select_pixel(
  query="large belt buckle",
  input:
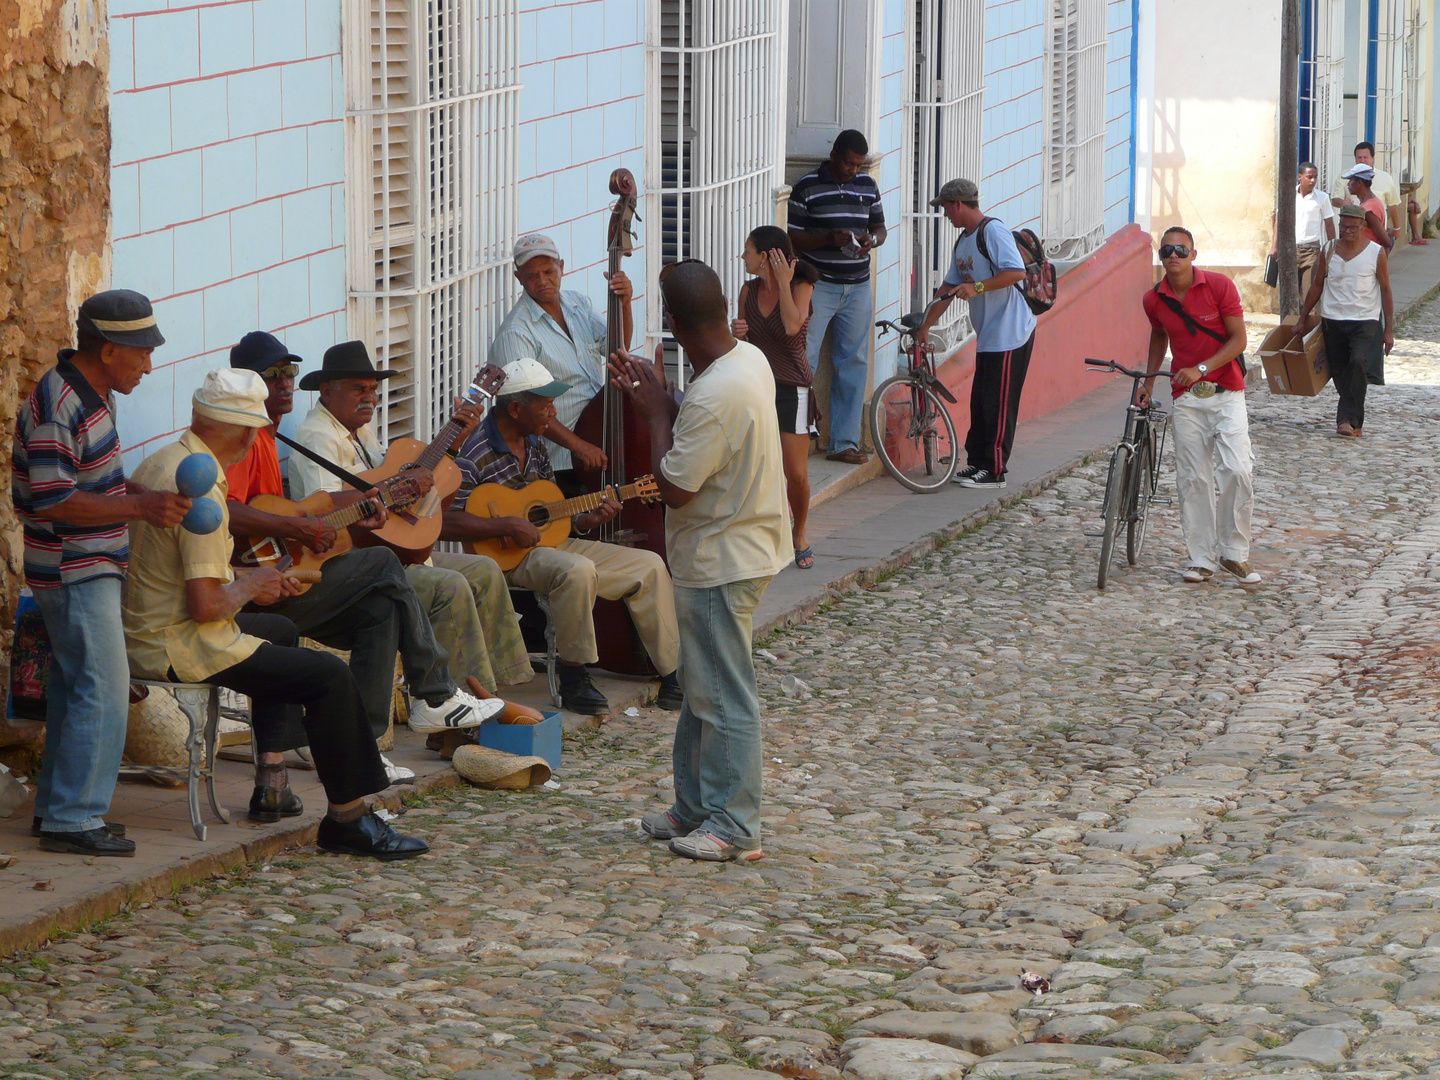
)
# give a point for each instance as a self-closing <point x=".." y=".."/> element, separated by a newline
<point x="1203" y="389"/>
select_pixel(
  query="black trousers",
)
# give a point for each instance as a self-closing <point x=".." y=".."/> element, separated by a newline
<point x="286" y="683"/>
<point x="1375" y="362"/>
<point x="1348" y="346"/>
<point x="995" y="405"/>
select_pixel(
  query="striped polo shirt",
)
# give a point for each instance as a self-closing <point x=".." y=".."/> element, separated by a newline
<point x="65" y="441"/>
<point x="820" y="204"/>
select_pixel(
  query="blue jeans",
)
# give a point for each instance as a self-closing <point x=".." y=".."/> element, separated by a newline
<point x="717" y="737"/>
<point x="851" y="309"/>
<point x="88" y="704"/>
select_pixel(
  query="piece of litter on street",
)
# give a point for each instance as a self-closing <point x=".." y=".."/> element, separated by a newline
<point x="767" y="655"/>
<point x="632" y="711"/>
<point x="385" y="815"/>
<point x="6" y="860"/>
<point x="777" y="761"/>
<point x="790" y="686"/>
<point x="43" y="886"/>
<point x="551" y="784"/>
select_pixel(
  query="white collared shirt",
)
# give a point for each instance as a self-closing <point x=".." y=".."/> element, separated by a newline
<point x="329" y="438"/>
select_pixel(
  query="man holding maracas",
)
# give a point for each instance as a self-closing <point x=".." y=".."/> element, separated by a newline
<point x="76" y="504"/>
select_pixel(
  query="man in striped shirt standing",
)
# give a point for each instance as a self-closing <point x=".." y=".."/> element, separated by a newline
<point x="835" y="222"/>
<point x="76" y="506"/>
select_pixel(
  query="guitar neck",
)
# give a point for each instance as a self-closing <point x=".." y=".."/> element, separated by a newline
<point x="582" y="504"/>
<point x="356" y="511"/>
<point x="436" y="450"/>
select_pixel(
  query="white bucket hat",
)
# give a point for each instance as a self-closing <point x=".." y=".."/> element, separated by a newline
<point x="233" y="396"/>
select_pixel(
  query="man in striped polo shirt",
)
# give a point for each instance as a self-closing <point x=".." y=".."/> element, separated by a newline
<point x="76" y="506"/>
<point x="835" y="222"/>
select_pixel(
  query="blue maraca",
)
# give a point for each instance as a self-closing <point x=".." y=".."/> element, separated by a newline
<point x="203" y="516"/>
<point x="196" y="475"/>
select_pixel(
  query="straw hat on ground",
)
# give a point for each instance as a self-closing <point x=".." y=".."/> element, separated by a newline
<point x="491" y="768"/>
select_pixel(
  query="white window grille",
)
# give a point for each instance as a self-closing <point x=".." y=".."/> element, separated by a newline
<point x="431" y="111"/>
<point x="1386" y="83"/>
<point x="1073" y="220"/>
<point x="1412" y="114"/>
<point x="715" y="106"/>
<point x="1322" y="77"/>
<point x="946" y="47"/>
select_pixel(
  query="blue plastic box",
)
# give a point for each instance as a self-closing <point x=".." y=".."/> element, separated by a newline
<point x="537" y="740"/>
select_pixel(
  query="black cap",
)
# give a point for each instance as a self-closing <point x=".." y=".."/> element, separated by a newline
<point x="259" y="351"/>
<point x="121" y="316"/>
<point x="348" y="360"/>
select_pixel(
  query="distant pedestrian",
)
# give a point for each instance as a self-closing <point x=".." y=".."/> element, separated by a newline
<point x="1352" y="289"/>
<point x="1197" y="314"/>
<point x="985" y="266"/>
<point x="1359" y="178"/>
<point x="836" y="220"/>
<point x="1314" y="224"/>
<point x="774" y="311"/>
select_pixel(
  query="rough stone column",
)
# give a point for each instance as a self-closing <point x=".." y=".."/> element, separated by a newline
<point x="54" y="220"/>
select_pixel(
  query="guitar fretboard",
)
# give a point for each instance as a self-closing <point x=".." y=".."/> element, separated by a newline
<point x="583" y="504"/>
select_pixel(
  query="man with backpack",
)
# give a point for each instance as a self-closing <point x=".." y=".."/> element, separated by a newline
<point x="985" y="269"/>
<point x="1198" y="314"/>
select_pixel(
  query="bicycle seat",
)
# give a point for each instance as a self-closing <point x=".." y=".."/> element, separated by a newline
<point x="912" y="320"/>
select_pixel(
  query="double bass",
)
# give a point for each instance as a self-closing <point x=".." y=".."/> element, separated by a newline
<point x="609" y="422"/>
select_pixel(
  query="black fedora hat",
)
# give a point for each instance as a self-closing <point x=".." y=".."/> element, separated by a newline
<point x="348" y="360"/>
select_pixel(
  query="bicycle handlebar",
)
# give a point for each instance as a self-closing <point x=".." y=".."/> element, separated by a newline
<point x="1111" y="365"/>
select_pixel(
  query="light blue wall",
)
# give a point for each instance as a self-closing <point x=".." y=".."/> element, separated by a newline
<point x="1012" y="141"/>
<point x="227" y="170"/>
<point x="582" y="115"/>
<point x="1118" y="126"/>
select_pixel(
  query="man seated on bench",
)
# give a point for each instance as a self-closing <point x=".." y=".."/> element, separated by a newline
<point x="183" y="623"/>
<point x="507" y="449"/>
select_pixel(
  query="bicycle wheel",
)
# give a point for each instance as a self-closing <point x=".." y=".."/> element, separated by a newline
<point x="1114" y="500"/>
<point x="1142" y="487"/>
<point x="921" y="451"/>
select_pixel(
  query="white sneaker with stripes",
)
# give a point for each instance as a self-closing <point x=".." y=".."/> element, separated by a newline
<point x="460" y="710"/>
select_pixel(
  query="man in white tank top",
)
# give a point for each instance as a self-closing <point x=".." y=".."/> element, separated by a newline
<point x="1352" y="289"/>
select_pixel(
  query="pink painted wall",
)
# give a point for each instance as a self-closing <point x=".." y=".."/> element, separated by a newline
<point x="1098" y="315"/>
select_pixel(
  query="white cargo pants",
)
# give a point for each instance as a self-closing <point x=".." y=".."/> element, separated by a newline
<point x="1213" y="466"/>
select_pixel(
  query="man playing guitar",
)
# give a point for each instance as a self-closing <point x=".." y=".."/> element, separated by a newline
<point x="364" y="602"/>
<point x="465" y="595"/>
<point x="507" y="449"/>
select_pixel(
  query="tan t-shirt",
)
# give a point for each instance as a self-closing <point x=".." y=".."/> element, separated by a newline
<point x="727" y="450"/>
<point x="159" y="632"/>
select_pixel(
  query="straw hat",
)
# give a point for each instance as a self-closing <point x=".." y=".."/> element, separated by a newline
<point x="496" y="769"/>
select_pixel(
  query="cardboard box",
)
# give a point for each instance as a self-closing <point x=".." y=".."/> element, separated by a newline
<point x="539" y="740"/>
<point x="1292" y="371"/>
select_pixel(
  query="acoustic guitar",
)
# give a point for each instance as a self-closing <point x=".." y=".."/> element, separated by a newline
<point x="298" y="561"/>
<point x="411" y="533"/>
<point x="543" y="505"/>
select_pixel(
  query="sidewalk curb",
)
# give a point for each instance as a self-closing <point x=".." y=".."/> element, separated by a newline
<point x="924" y="545"/>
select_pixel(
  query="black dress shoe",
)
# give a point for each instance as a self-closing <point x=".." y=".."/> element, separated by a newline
<point x="670" y="695"/>
<point x="89" y="842"/>
<point x="271" y="804"/>
<point x="579" y="694"/>
<point x="368" y="835"/>
<point x="114" y="828"/>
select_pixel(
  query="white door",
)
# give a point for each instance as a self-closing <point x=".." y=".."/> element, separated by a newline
<point x="831" y="76"/>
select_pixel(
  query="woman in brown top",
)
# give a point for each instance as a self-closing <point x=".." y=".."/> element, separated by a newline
<point x="774" y="312"/>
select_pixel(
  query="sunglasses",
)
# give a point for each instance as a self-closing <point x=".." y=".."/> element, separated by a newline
<point x="1178" y="250"/>
<point x="289" y="371"/>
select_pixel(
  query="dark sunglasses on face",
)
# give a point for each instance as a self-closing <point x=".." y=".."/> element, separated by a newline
<point x="287" y="370"/>
<point x="1178" y="250"/>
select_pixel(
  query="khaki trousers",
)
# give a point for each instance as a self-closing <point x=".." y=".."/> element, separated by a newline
<point x="469" y="606"/>
<point x="572" y="575"/>
<point x="1307" y="257"/>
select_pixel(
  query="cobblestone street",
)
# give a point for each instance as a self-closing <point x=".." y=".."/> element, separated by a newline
<point x="1208" y="815"/>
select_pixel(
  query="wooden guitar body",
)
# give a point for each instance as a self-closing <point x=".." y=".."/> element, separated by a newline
<point x="316" y="505"/>
<point x="411" y="532"/>
<point x="497" y="501"/>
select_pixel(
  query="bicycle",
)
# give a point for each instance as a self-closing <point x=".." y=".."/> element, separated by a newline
<point x="925" y="455"/>
<point x="1134" y="474"/>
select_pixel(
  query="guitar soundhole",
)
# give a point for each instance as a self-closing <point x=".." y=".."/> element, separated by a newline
<point x="538" y="516"/>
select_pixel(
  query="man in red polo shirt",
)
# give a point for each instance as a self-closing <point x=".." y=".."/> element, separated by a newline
<point x="1197" y="314"/>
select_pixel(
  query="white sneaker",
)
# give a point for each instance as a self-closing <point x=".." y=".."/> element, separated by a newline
<point x="459" y="710"/>
<point x="397" y="774"/>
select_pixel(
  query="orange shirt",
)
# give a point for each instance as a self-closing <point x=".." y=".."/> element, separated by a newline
<point x="258" y="473"/>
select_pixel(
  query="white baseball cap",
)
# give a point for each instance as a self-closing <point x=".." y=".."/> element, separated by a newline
<point x="527" y="376"/>
<point x="1360" y="172"/>
<point x="233" y="396"/>
<point x="527" y="247"/>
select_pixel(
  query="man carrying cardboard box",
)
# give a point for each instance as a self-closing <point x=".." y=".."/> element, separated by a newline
<point x="1198" y="314"/>
<point x="1352" y="289"/>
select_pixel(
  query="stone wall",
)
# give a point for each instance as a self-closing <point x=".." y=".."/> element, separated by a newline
<point x="54" y="209"/>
